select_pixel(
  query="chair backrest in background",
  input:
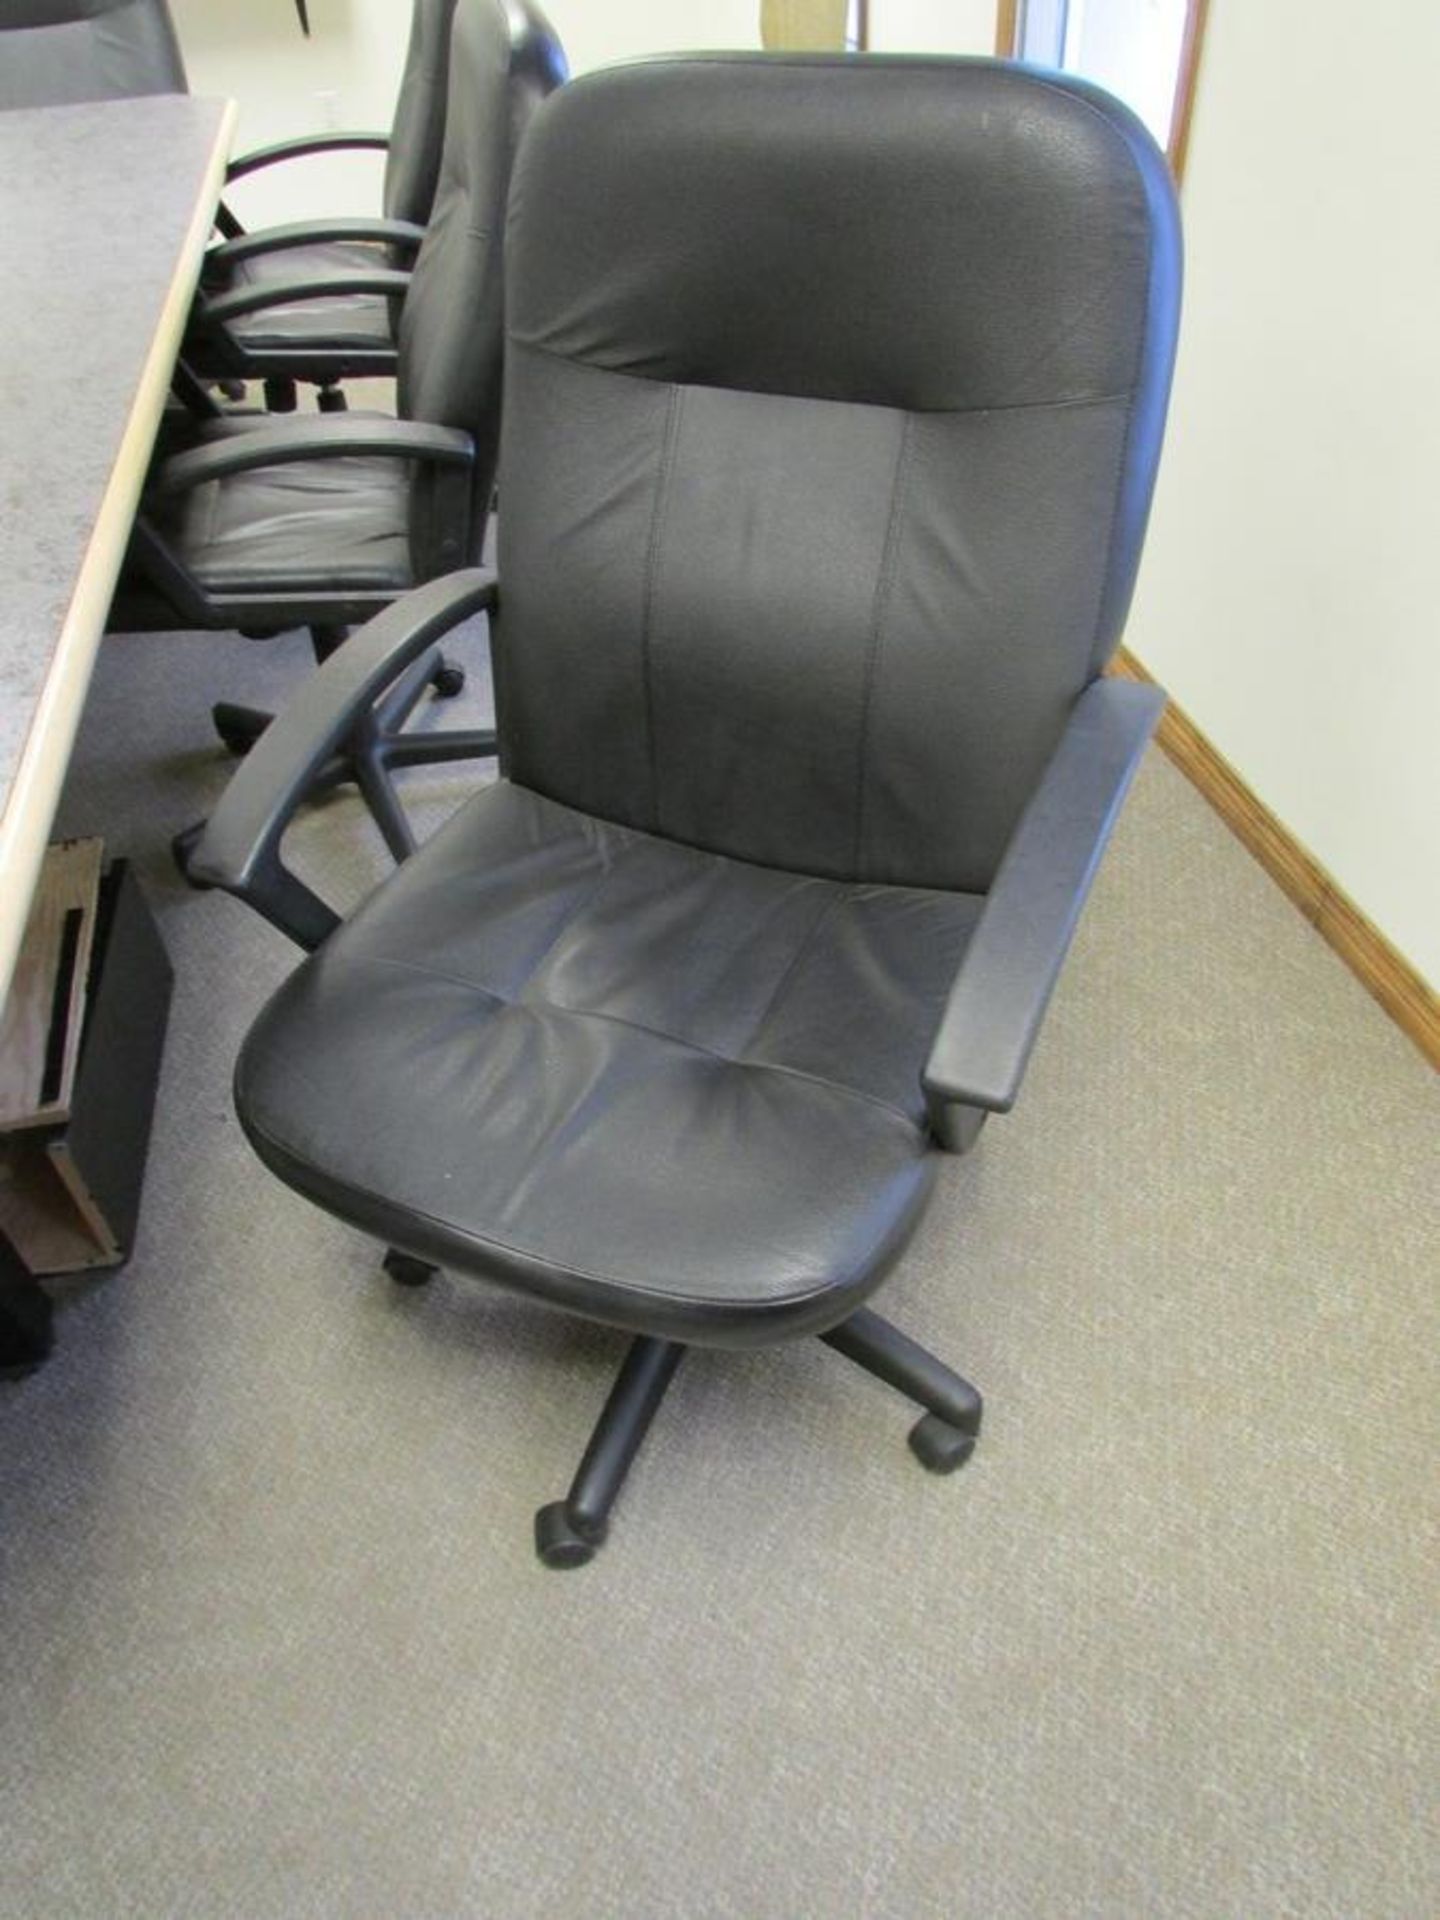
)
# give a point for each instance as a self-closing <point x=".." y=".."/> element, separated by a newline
<point x="57" y="52"/>
<point x="505" y="58"/>
<point x="417" y="132"/>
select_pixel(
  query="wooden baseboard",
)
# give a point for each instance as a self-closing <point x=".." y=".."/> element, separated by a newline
<point x="1384" y="973"/>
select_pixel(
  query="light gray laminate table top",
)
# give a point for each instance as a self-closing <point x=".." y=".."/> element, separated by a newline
<point x="104" y="214"/>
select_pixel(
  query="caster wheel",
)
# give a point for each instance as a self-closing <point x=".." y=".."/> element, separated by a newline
<point x="21" y="1370"/>
<point x="331" y="400"/>
<point x="236" y="731"/>
<point x="234" y="742"/>
<point x="448" y="680"/>
<point x="939" y="1447"/>
<point x="559" y="1543"/>
<point x="27" y="1329"/>
<point x="406" y="1271"/>
<point x="181" y="848"/>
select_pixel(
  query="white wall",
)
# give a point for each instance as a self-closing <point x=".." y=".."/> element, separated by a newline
<point x="596" y="32"/>
<point x="1133" y="48"/>
<point x="932" y="26"/>
<point x="256" y="54"/>
<point x="1288" y="596"/>
<point x="345" y="75"/>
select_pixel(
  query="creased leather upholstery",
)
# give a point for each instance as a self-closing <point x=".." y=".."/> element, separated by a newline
<point x="675" y="1091"/>
<point x="295" y="528"/>
<point x="359" y="321"/>
<point x="57" y="53"/>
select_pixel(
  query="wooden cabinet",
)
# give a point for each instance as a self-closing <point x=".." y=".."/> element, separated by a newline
<point x="80" y="1055"/>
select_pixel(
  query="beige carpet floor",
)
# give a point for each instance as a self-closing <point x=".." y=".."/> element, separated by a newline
<point x="274" y="1642"/>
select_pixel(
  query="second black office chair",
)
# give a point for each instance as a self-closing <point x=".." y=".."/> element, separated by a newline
<point x="265" y="525"/>
<point x="834" y="399"/>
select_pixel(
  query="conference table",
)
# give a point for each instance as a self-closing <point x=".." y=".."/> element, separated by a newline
<point x="105" y="211"/>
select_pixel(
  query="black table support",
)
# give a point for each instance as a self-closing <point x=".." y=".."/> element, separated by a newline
<point x="26" y="1333"/>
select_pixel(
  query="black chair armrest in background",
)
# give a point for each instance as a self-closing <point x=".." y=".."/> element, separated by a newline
<point x="213" y="311"/>
<point x="309" y="233"/>
<point x="300" y="148"/>
<point x="278" y="441"/>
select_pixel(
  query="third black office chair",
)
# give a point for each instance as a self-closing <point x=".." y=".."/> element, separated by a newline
<point x="317" y="301"/>
<point x="835" y="392"/>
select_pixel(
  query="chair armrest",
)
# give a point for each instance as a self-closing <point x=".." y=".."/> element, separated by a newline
<point x="214" y="310"/>
<point x="1010" y="967"/>
<point x="307" y="233"/>
<point x="301" y="146"/>
<point x="239" y="850"/>
<point x="329" y="436"/>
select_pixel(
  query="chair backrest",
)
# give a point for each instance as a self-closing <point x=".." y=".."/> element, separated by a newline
<point x="56" y="52"/>
<point x="833" y="399"/>
<point x="504" y="59"/>
<point x="417" y="133"/>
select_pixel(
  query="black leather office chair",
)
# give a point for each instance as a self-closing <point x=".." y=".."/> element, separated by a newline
<point x="835" y="391"/>
<point x="266" y="525"/>
<point x="328" y="334"/>
<point x="316" y="301"/>
<point x="56" y="53"/>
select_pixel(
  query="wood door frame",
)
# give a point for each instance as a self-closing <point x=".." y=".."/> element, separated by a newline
<point x="1007" y="28"/>
<point x="1186" y="79"/>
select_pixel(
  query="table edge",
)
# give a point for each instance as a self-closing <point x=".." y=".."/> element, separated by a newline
<point x="40" y="771"/>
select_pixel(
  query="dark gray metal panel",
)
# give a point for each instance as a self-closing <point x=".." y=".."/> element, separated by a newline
<point x="125" y="1018"/>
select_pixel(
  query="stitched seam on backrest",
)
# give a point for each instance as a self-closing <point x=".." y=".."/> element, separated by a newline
<point x="652" y="566"/>
<point x="517" y="343"/>
<point x="888" y="561"/>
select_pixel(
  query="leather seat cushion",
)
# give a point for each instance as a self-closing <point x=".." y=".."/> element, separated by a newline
<point x="653" y="1085"/>
<point x="307" y="526"/>
<point x="357" y="321"/>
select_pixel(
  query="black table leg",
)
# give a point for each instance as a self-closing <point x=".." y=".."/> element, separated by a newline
<point x="26" y="1333"/>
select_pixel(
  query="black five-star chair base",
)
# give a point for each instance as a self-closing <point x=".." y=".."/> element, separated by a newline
<point x="570" y="1532"/>
<point x="378" y="746"/>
